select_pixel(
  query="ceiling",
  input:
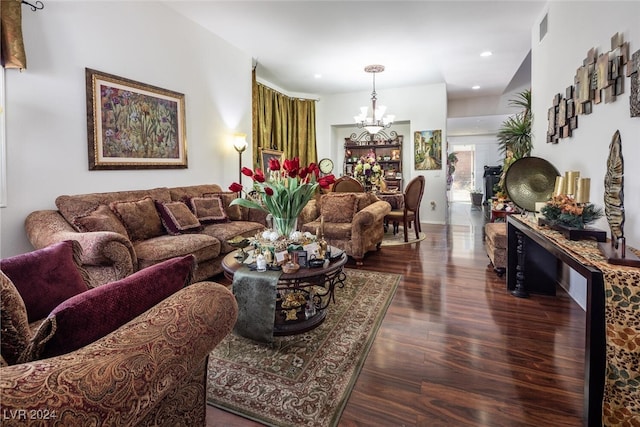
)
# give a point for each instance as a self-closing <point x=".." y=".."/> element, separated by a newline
<point x="419" y="42"/>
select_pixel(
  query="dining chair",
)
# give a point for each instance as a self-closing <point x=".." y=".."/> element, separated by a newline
<point x="347" y="184"/>
<point x="411" y="210"/>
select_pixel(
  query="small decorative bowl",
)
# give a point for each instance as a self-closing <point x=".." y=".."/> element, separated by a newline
<point x="290" y="267"/>
<point x="239" y="242"/>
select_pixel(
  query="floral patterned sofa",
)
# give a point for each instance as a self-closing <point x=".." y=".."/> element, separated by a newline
<point x="124" y="231"/>
<point x="353" y="222"/>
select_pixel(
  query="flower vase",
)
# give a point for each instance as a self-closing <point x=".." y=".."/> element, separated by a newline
<point x="284" y="226"/>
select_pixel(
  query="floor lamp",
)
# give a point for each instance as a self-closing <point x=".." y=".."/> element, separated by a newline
<point x="240" y="144"/>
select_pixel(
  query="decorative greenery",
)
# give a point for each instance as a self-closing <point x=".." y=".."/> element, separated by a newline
<point x="515" y="133"/>
<point x="286" y="191"/>
<point x="514" y="136"/>
<point x="563" y="210"/>
<point x="452" y="160"/>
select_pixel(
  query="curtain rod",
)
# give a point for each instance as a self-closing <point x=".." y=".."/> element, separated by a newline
<point x="37" y="6"/>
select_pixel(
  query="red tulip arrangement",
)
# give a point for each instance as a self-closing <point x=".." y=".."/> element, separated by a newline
<point x="286" y="189"/>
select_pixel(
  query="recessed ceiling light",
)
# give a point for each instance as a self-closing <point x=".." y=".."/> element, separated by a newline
<point x="317" y="76"/>
<point x="486" y="53"/>
<point x="476" y="87"/>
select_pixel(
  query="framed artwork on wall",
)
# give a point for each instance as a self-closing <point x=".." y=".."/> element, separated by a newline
<point x="265" y="155"/>
<point x="133" y="125"/>
<point x="427" y="150"/>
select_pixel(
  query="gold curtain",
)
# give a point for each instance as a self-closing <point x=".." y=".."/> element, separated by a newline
<point x="283" y="123"/>
<point x="12" y="53"/>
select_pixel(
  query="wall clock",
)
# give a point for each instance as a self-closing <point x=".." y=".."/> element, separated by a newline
<point x="326" y="165"/>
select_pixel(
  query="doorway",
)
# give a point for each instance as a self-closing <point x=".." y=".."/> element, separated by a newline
<point x="464" y="175"/>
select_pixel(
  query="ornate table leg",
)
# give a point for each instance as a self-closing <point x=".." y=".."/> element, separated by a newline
<point x="520" y="291"/>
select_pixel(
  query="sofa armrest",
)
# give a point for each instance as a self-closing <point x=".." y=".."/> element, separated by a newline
<point x="371" y="214"/>
<point x="45" y="227"/>
<point x="122" y="377"/>
<point x="367" y="229"/>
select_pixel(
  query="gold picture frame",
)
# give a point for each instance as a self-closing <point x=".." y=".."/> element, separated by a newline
<point x="132" y="125"/>
<point x="266" y="154"/>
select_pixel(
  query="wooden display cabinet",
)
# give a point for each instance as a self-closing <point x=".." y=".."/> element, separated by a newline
<point x="388" y="154"/>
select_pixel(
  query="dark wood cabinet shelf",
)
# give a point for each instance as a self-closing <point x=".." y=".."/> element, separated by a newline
<point x="388" y="155"/>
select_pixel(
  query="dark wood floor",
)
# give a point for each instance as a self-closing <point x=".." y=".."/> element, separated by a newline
<point x="455" y="349"/>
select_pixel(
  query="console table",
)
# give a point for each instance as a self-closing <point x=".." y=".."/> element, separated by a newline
<point x="533" y="263"/>
<point x="534" y="257"/>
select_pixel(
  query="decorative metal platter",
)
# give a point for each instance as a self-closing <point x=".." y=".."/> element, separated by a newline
<point x="529" y="180"/>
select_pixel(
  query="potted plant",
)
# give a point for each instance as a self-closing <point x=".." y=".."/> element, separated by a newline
<point x="476" y="196"/>
<point x="452" y="159"/>
<point x="514" y="135"/>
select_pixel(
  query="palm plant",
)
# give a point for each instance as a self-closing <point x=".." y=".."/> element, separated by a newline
<point x="514" y="136"/>
<point x="515" y="133"/>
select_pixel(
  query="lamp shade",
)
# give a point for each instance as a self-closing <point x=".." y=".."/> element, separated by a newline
<point x="240" y="142"/>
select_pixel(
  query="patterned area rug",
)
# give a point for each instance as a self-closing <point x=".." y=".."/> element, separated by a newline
<point x="390" y="239"/>
<point x="303" y="379"/>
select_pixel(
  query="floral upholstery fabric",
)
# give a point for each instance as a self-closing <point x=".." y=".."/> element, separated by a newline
<point x="73" y="206"/>
<point x="364" y="233"/>
<point x="209" y="209"/>
<point x="101" y="219"/>
<point x="106" y="256"/>
<point x="177" y="218"/>
<point x="228" y="231"/>
<point x="13" y="321"/>
<point x="109" y="256"/>
<point x="161" y="248"/>
<point x="140" y="218"/>
<point x="338" y="207"/>
<point x="496" y="243"/>
<point x="155" y="363"/>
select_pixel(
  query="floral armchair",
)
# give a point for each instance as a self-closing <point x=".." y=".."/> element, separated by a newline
<point x="353" y="222"/>
<point x="150" y="371"/>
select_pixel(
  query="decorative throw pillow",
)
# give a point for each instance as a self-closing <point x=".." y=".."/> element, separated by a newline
<point x="94" y="314"/>
<point x="46" y="277"/>
<point x="177" y="218"/>
<point x="13" y="319"/>
<point x="209" y="209"/>
<point x="233" y="212"/>
<point x="101" y="219"/>
<point x="139" y="217"/>
<point x="338" y="207"/>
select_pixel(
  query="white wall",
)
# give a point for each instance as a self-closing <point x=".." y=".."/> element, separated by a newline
<point x="46" y="131"/>
<point x="573" y="29"/>
<point x="422" y="107"/>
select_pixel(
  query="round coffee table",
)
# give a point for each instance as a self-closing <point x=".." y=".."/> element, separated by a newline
<point x="317" y="284"/>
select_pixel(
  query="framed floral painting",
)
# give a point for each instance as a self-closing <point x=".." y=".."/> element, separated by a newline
<point x="132" y="125"/>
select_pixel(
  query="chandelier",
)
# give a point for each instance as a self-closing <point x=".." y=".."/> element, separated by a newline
<point x="377" y="121"/>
